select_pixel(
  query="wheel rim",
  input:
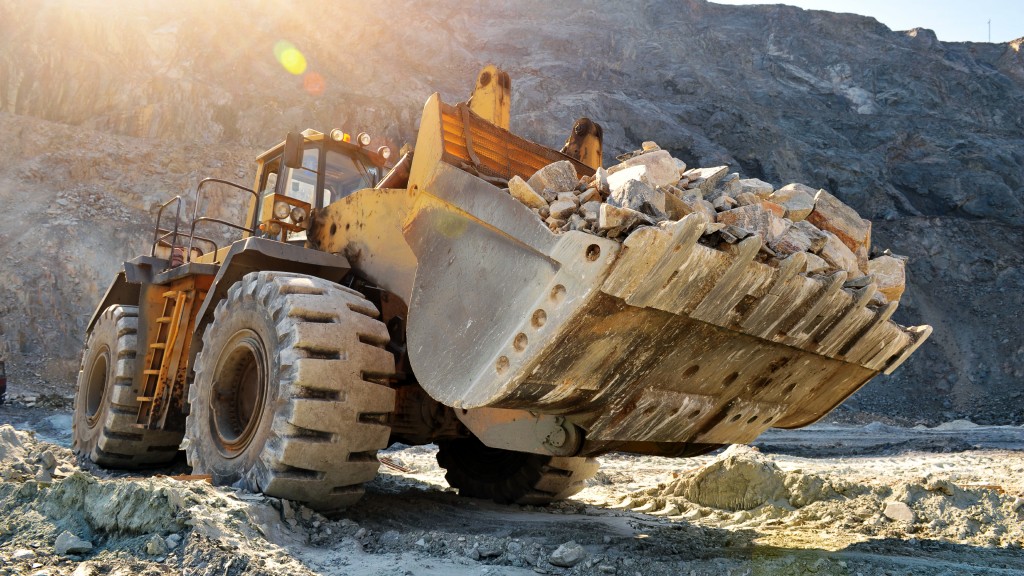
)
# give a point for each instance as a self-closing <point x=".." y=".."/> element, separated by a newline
<point x="96" y="386"/>
<point x="239" y="392"/>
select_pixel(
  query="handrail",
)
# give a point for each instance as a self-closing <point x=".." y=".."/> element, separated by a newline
<point x="159" y="216"/>
<point x="199" y="190"/>
<point x="173" y="233"/>
<point x="192" y="231"/>
<point x="200" y="238"/>
<point x="196" y="218"/>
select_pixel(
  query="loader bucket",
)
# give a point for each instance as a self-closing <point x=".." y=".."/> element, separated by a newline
<point x="659" y="338"/>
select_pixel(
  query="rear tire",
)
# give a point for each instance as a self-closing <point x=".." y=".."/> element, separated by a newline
<point x="104" y="426"/>
<point x="506" y="476"/>
<point x="290" y="395"/>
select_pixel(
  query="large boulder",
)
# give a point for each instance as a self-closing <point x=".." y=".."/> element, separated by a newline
<point x="890" y="276"/>
<point x="831" y="215"/>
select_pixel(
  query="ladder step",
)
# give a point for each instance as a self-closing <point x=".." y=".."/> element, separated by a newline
<point x="144" y="399"/>
<point x="158" y="345"/>
<point x="163" y="319"/>
<point x="171" y="293"/>
<point x="151" y="372"/>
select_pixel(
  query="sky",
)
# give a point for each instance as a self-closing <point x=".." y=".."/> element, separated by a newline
<point x="952" y="20"/>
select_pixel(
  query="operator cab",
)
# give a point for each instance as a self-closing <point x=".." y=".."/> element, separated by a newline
<point x="309" y="171"/>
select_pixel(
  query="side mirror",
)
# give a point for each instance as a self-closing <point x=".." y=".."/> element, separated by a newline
<point x="293" y="150"/>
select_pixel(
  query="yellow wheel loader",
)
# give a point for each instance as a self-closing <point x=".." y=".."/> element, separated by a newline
<point x="366" y="304"/>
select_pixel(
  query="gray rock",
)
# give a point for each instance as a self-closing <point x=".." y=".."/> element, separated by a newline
<point x="562" y="209"/>
<point x="558" y="177"/>
<point x="555" y="223"/>
<point x="620" y="219"/>
<point x="899" y="512"/>
<point x="568" y="197"/>
<point x="899" y="143"/>
<point x="172" y="541"/>
<point x="838" y="255"/>
<point x="754" y="186"/>
<point x="798" y="200"/>
<point x="47" y="460"/>
<point x="799" y="237"/>
<point x="640" y="196"/>
<point x="567" y="555"/>
<point x="705" y="179"/>
<point x="832" y="215"/>
<point x="724" y="202"/>
<point x="525" y="193"/>
<point x="601" y="179"/>
<point x="490" y="550"/>
<point x="85" y="569"/>
<point x="68" y="543"/>
<point x="23" y="554"/>
<point x="156" y="545"/>
<point x="591" y="211"/>
<point x="590" y="195"/>
<point x="661" y="167"/>
<point x="890" y="276"/>
<point x="757" y="219"/>
<point x="746" y="199"/>
<point x="619" y="178"/>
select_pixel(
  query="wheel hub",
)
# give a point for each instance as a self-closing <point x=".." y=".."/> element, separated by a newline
<point x="96" y="386"/>
<point x="239" y="393"/>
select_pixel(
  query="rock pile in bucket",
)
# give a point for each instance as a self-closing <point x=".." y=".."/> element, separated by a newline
<point x="649" y="187"/>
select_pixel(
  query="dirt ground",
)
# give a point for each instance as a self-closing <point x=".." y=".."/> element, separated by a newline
<point x="829" y="499"/>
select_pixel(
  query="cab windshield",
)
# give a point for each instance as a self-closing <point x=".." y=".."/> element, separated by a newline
<point x="342" y="176"/>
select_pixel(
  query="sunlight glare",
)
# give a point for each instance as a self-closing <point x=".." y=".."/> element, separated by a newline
<point x="290" y="57"/>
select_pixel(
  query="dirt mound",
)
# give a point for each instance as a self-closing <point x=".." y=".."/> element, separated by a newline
<point x="744" y="488"/>
<point x="741" y="479"/>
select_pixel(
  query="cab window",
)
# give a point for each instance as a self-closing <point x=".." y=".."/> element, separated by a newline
<point x="344" y="176"/>
<point x="300" y="183"/>
<point x="270" y="172"/>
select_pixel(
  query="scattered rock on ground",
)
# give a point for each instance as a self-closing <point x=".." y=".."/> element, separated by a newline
<point x="68" y="543"/>
<point x="567" y="555"/>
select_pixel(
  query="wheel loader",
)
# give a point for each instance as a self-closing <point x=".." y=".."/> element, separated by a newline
<point x="366" y="303"/>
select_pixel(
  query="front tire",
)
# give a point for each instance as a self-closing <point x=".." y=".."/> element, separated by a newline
<point x="290" y="396"/>
<point x="104" y="427"/>
<point x="506" y="476"/>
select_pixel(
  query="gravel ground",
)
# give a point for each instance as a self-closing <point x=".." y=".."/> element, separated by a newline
<point x="829" y="499"/>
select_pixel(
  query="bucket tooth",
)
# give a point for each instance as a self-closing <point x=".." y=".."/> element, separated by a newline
<point x="653" y="260"/>
<point x="772" y="307"/>
<point x="797" y="333"/>
<point x="731" y="287"/>
<point x="920" y="334"/>
<point x="859" y="346"/>
<point x="848" y="324"/>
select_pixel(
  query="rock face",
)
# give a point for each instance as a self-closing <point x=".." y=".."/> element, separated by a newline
<point x="922" y="137"/>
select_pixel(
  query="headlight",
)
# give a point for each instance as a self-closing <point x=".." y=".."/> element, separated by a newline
<point x="339" y="136"/>
<point x="281" y="210"/>
<point x="363" y="139"/>
<point x="298" y="215"/>
<point x="384" y="152"/>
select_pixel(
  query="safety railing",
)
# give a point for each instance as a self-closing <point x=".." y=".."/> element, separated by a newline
<point x="169" y="236"/>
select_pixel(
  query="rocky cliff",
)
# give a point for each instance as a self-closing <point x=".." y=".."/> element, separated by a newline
<point x="107" y="108"/>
